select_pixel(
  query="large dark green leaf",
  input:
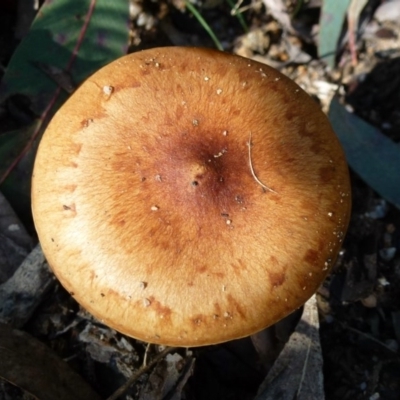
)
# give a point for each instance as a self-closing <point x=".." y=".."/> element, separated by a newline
<point x="371" y="154"/>
<point x="68" y="41"/>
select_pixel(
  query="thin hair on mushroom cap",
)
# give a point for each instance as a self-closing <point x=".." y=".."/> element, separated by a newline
<point x="252" y="170"/>
<point x="188" y="197"/>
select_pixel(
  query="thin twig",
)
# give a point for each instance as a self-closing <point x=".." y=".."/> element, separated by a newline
<point x="121" y="390"/>
<point x="253" y="5"/>
<point x="254" y="174"/>
<point x="146" y="354"/>
<point x="369" y="337"/>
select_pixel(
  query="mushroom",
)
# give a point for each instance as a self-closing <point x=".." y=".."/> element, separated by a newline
<point x="187" y="197"/>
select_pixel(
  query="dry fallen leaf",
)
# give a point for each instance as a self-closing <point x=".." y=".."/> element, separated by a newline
<point x="32" y="366"/>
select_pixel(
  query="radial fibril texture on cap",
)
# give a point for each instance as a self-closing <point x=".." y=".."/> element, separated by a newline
<point x="187" y="197"/>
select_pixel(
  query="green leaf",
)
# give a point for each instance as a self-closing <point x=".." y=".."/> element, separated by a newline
<point x="371" y="154"/>
<point x="77" y="37"/>
<point x="333" y="14"/>
<point x="68" y="41"/>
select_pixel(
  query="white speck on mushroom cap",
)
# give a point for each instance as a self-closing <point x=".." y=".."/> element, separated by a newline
<point x="142" y="285"/>
<point x="146" y="302"/>
<point x="108" y="90"/>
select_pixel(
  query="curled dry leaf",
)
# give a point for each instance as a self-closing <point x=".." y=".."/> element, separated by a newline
<point x="388" y="11"/>
<point x="168" y="378"/>
<point x="280" y="12"/>
<point x="144" y="369"/>
<point x="105" y="346"/>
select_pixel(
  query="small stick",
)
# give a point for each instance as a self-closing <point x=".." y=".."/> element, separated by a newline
<point x="369" y="337"/>
<point x="265" y="187"/>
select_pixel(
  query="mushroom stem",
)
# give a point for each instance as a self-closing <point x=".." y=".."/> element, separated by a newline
<point x="265" y="187"/>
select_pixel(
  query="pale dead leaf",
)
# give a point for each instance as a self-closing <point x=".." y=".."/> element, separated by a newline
<point x="388" y="11"/>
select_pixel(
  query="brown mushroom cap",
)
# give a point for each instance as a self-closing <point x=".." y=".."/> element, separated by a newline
<point x="156" y="214"/>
